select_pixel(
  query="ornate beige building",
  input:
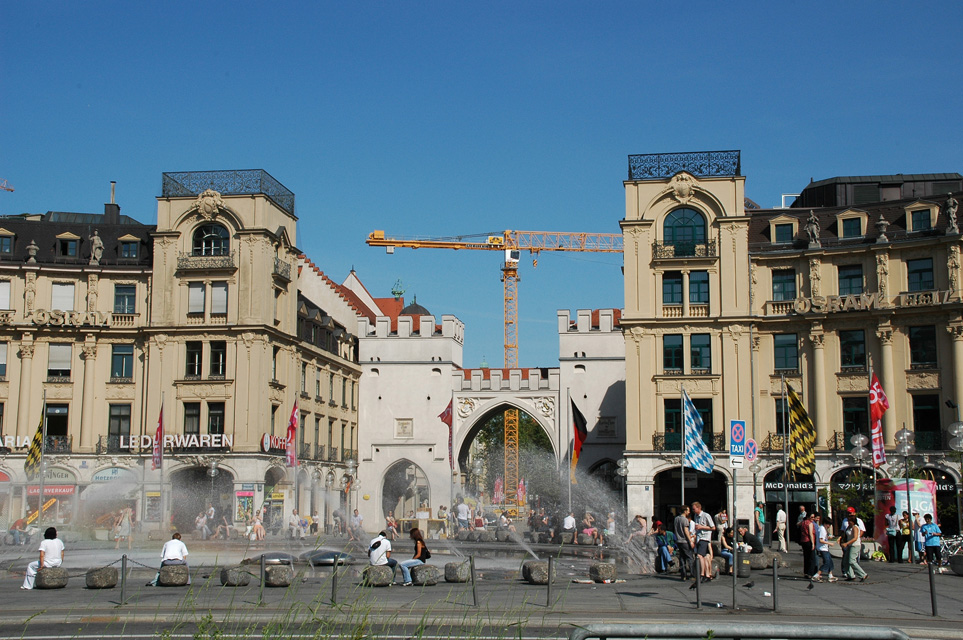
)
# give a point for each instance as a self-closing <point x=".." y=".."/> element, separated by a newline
<point x="727" y="300"/>
<point x="110" y="319"/>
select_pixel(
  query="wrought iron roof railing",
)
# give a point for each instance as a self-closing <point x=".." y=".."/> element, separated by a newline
<point x="663" y="250"/>
<point x="228" y="183"/>
<point x="702" y="164"/>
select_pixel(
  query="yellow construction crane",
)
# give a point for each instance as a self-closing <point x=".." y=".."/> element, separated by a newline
<point x="5" y="185"/>
<point x="512" y="243"/>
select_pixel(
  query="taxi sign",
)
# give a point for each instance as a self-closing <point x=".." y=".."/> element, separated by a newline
<point x="737" y="438"/>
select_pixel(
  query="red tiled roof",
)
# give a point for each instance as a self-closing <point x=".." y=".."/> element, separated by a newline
<point x="346" y="294"/>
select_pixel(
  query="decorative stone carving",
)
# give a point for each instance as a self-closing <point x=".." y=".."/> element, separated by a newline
<point x="466" y="406"/>
<point x="60" y="391"/>
<point x="30" y="291"/>
<point x="92" y="281"/>
<point x="26" y="349"/>
<point x="545" y="406"/>
<point x="885" y="335"/>
<point x="683" y="187"/>
<point x="32" y="250"/>
<point x="954" y="267"/>
<point x="674" y="385"/>
<point x="818" y="340"/>
<point x="96" y="248"/>
<point x="208" y="204"/>
<point x="753" y="276"/>
<point x="882" y="272"/>
<point x="812" y="230"/>
<point x="856" y="382"/>
<point x="922" y="380"/>
<point x="814" y="277"/>
<point x="735" y="331"/>
<point x="89" y="352"/>
<point x="756" y="342"/>
<point x="775" y="384"/>
<point x="881" y="225"/>
<point x="955" y="331"/>
<point x="949" y="208"/>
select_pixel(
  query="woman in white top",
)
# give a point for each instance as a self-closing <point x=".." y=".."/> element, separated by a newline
<point x="51" y="555"/>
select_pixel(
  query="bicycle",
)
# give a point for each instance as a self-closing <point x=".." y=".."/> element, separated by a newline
<point x="950" y="546"/>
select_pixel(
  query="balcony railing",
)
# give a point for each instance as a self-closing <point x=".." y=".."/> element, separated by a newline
<point x="773" y="442"/>
<point x="58" y="444"/>
<point x="282" y="269"/>
<point x="227" y="183"/>
<point x="663" y="250"/>
<point x="350" y="454"/>
<point x="779" y="308"/>
<point x="58" y="379"/>
<point x="929" y="440"/>
<point x="333" y="455"/>
<point x="837" y="441"/>
<point x="673" y="441"/>
<point x="672" y="311"/>
<point x="305" y="452"/>
<point x="319" y="452"/>
<point x="654" y="166"/>
<point x="109" y="444"/>
<point x="123" y="320"/>
<point x="187" y="261"/>
<point x="698" y="310"/>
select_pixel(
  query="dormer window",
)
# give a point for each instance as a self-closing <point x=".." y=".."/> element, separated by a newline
<point x="211" y="240"/>
<point x="128" y="247"/>
<point x="68" y="248"/>
<point x="852" y="228"/>
<point x="921" y="216"/>
<point x="783" y="229"/>
<point x="6" y="245"/>
<point x="784" y="233"/>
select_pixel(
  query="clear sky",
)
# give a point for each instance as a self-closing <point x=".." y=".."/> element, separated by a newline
<point x="450" y="118"/>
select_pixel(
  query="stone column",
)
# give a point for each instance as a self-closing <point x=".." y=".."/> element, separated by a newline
<point x="685" y="294"/>
<point x="887" y="376"/>
<point x="956" y="332"/>
<point x="817" y="387"/>
<point x="23" y="401"/>
<point x="87" y="402"/>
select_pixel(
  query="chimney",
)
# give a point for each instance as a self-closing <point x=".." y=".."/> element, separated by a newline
<point x="112" y="209"/>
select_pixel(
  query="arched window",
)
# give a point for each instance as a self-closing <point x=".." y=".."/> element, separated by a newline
<point x="684" y="229"/>
<point x="211" y="240"/>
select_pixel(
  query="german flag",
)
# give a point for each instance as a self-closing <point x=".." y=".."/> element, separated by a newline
<point x="31" y="466"/>
<point x="802" y="437"/>
<point x="579" y="434"/>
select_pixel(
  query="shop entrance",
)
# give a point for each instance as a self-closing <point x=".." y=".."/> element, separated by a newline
<point x="193" y="489"/>
<point x="802" y="493"/>
<point x="711" y="489"/>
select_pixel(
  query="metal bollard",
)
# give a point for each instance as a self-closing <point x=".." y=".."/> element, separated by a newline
<point x="334" y="583"/>
<point x="474" y="588"/>
<point x="260" y="595"/>
<point x="698" y="584"/>
<point x="123" y="578"/>
<point x="932" y="572"/>
<point x="548" y="603"/>
<point x="775" y="584"/>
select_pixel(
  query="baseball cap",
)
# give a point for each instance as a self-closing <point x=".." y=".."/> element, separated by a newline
<point x="851" y="510"/>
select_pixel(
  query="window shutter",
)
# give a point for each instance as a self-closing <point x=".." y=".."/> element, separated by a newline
<point x="219" y="297"/>
<point x="195" y="302"/>
<point x="59" y="357"/>
<point x="62" y="296"/>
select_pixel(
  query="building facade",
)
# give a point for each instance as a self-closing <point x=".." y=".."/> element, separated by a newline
<point x="199" y="319"/>
<point x="733" y="303"/>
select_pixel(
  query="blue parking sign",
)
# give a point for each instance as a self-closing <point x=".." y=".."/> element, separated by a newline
<point x="737" y="437"/>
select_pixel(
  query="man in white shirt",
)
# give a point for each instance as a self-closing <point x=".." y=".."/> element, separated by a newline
<point x="568" y="523"/>
<point x="379" y="553"/>
<point x="51" y="555"/>
<point x="703" y="527"/>
<point x="294" y="524"/>
<point x="781" y="518"/>
<point x="173" y="553"/>
<point x="463" y="514"/>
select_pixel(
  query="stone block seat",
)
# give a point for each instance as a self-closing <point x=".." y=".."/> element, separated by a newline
<point x="51" y="578"/>
<point x="566" y="537"/>
<point x="457" y="572"/>
<point x="764" y="560"/>
<point x="235" y="576"/>
<point x="377" y="576"/>
<point x="175" y="575"/>
<point x="484" y="535"/>
<point x="602" y="571"/>
<point x="536" y="572"/>
<point x="102" y="578"/>
<point x="278" y="575"/>
<point x="425" y="575"/>
<point x="584" y="538"/>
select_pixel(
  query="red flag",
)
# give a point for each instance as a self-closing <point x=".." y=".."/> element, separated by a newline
<point x="878" y="404"/>
<point x="445" y="416"/>
<point x="158" y="460"/>
<point x="579" y="434"/>
<point x="289" y="448"/>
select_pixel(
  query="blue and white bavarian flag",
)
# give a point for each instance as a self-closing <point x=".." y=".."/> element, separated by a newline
<point x="697" y="454"/>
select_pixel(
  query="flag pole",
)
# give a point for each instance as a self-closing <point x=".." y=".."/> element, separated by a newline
<point x="571" y="452"/>
<point x="165" y="520"/>
<point x="43" y="469"/>
<point x="871" y="459"/>
<point x="785" y="457"/>
<point x="682" y="464"/>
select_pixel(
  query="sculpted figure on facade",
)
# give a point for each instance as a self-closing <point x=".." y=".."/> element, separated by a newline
<point x="208" y="203"/>
<point x="466" y="406"/>
<point x="954" y="267"/>
<point x="96" y="248"/>
<point x="545" y="406"/>
<point x="814" y="277"/>
<point x="882" y="272"/>
<point x="683" y="187"/>
<point x="812" y="230"/>
<point x="92" y="281"/>
<point x="29" y="292"/>
<point x="950" y="208"/>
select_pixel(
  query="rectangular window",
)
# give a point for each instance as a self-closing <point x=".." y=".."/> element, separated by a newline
<point x="125" y="298"/>
<point x="4" y="294"/>
<point x="215" y="417"/>
<point x="317" y="433"/>
<point x="274" y="419"/>
<point x="219" y="298"/>
<point x="128" y="250"/>
<point x="855" y="418"/>
<point x="852" y="349"/>
<point x="58" y="360"/>
<point x="673" y="424"/>
<point x="919" y="274"/>
<point x="58" y="421"/>
<point x="3" y="362"/>
<point x="783" y="233"/>
<point x="68" y="248"/>
<point x="852" y="228"/>
<point x="672" y="353"/>
<point x="344" y="392"/>
<point x="850" y="280"/>
<point x="218" y="358"/>
<point x="926" y="422"/>
<point x="274" y="364"/>
<point x="699" y="287"/>
<point x="353" y="401"/>
<point x="784" y="285"/>
<point x="118" y="424"/>
<point x="782" y="417"/>
<point x="122" y="361"/>
<point x="196" y="292"/>
<point x="672" y="287"/>
<point x="6" y="244"/>
<point x="922" y="347"/>
<point x="921" y="220"/>
<point x="62" y="296"/>
<point x="194" y="357"/>
<point x="304" y="377"/>
<point x="785" y="350"/>
<point x="192" y="418"/>
<point x="331" y="387"/>
<point x="317" y="384"/>
<point x="700" y="353"/>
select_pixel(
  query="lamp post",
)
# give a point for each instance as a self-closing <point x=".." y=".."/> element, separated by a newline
<point x="859" y="452"/>
<point x="477" y="466"/>
<point x="623" y="472"/>
<point x="328" y="484"/>
<point x="905" y="448"/>
<point x="956" y="444"/>
<point x="755" y="467"/>
<point x="352" y="466"/>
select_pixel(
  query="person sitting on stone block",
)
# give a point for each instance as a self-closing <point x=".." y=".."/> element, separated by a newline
<point x="51" y="555"/>
<point x="173" y="553"/>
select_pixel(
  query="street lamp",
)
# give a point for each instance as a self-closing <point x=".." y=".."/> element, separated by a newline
<point x="755" y="467"/>
<point x="352" y="465"/>
<point x="859" y="452"/>
<point x="905" y="448"/>
<point x="956" y="444"/>
<point x="328" y="484"/>
<point x="477" y="466"/>
<point x="623" y="472"/>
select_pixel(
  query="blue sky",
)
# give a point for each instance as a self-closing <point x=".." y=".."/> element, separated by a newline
<point x="455" y="118"/>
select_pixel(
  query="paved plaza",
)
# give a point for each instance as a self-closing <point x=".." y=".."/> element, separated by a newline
<point x="894" y="595"/>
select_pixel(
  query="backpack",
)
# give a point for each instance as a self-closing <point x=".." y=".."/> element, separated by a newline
<point x="374" y="545"/>
<point x="425" y="554"/>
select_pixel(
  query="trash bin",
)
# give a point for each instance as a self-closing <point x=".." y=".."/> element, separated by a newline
<point x="744" y="570"/>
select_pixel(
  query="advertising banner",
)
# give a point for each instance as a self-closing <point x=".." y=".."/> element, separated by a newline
<point x="892" y="492"/>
